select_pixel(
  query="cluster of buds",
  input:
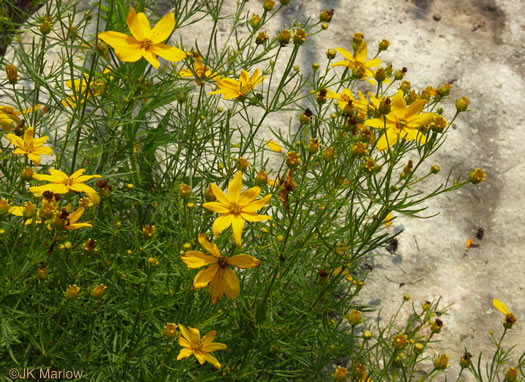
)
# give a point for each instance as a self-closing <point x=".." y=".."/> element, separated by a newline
<point x="185" y="190"/>
<point x="148" y="231"/>
<point x="46" y="25"/>
<point x="313" y="145"/>
<point x="293" y="159"/>
<point x="399" y="341"/>
<point x="90" y="247"/>
<point x="299" y="36"/>
<point x="242" y="164"/>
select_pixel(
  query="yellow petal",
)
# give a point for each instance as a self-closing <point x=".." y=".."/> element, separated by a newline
<point x="362" y="52"/>
<point x="387" y="140"/>
<point x="220" y="195"/>
<point x="243" y="261"/>
<point x="204" y="277"/>
<point x="34" y="158"/>
<point x="215" y="288"/>
<point x="256" y="204"/>
<point x="253" y="217"/>
<point x="162" y="30"/>
<point x="85" y="178"/>
<point x="388" y="220"/>
<point x="191" y="334"/>
<point x="58" y="175"/>
<point x="500" y="306"/>
<point x="399" y="105"/>
<point x="130" y="53"/>
<point x="55" y="188"/>
<point x="151" y="58"/>
<point x="249" y="196"/>
<point x="376" y="122"/>
<point x="237" y="227"/>
<point x="373" y="63"/>
<point x="211" y="359"/>
<point x="346" y="54"/>
<point x="15" y="140"/>
<point x="197" y="259"/>
<point x="221" y="223"/>
<point x="28" y="135"/>
<point x="235" y="187"/>
<point x="231" y="285"/>
<point x="216" y="207"/>
<point x="79" y="187"/>
<point x="274" y="146"/>
<point x="169" y="53"/>
<point x="208" y="338"/>
<point x="184" y="353"/>
<point x="209" y="246"/>
<point x="115" y="40"/>
<point x="413" y="134"/>
<point x="138" y="25"/>
<point x="213" y="347"/>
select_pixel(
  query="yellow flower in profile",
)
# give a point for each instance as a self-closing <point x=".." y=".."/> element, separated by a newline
<point x="231" y="88"/>
<point x="68" y="221"/>
<point x="235" y="207"/>
<point x="29" y="146"/>
<point x="510" y="319"/>
<point x="144" y="42"/>
<point x="213" y="275"/>
<point x="201" y="348"/>
<point x="60" y="183"/>
<point x="358" y="63"/>
<point x="402" y="122"/>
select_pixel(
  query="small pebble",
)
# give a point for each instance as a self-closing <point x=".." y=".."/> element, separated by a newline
<point x="437" y="17"/>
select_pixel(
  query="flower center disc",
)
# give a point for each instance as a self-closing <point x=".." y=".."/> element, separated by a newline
<point x="68" y="182"/>
<point x="146" y="44"/>
<point x="235" y="209"/>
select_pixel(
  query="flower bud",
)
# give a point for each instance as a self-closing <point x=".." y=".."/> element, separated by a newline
<point x="268" y="5"/>
<point x="313" y="145"/>
<point x="367" y="334"/>
<point x="418" y="348"/>
<point x="306" y="116"/>
<point x="511" y="375"/>
<point x="464" y="361"/>
<point x="324" y="276"/>
<point x="102" y="49"/>
<point x="444" y="90"/>
<point x="72" y="292"/>
<point x="90" y="247"/>
<point x="42" y="273"/>
<point x="477" y="176"/>
<point x="185" y="190"/>
<point x="399" y="341"/>
<point x="326" y="16"/>
<point x="324" y="26"/>
<point x="426" y="306"/>
<point x="170" y="331"/>
<point x="29" y="211"/>
<point x="359" y="370"/>
<point x="284" y="37"/>
<point x="357" y="39"/>
<point x="385" y="106"/>
<point x="435" y="169"/>
<point x="98" y="291"/>
<point x="255" y="20"/>
<point x="27" y="174"/>
<point x="405" y="86"/>
<point x="340" y="374"/>
<point x="399" y="74"/>
<point x="462" y="104"/>
<point x="328" y="154"/>
<point x="261" y="178"/>
<point x="354" y="317"/>
<point x="12" y="73"/>
<point x="383" y="45"/>
<point x="441" y="362"/>
<point x="300" y="36"/>
<point x="261" y="38"/>
<point x="209" y="196"/>
<point x="435" y="326"/>
<point x="315" y="66"/>
<point x="46" y="25"/>
<point x="380" y="75"/>
<point x="510" y="320"/>
<point x="438" y="124"/>
<point x="148" y="231"/>
<point x="358" y="149"/>
<point x="242" y="164"/>
<point x="331" y="53"/>
<point x="293" y="159"/>
<point x="152" y="261"/>
<point x="4" y="206"/>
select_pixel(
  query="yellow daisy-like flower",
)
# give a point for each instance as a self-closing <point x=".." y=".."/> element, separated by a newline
<point x="402" y="122"/>
<point x="29" y="146"/>
<point x="199" y="347"/>
<point x="82" y="90"/>
<point x="231" y="88"/>
<point x="359" y="62"/>
<point x="60" y="183"/>
<point x="213" y="275"/>
<point x="235" y="207"/>
<point x="69" y="220"/>
<point x="346" y="98"/>
<point x="10" y="117"/>
<point x="144" y="42"/>
<point x="200" y="72"/>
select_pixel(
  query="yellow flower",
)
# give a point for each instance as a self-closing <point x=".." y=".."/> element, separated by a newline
<point x="346" y="98"/>
<point x="82" y="90"/>
<point x="31" y="147"/>
<point x="200" y="347"/>
<point x="60" y="183"/>
<point x="144" y="42"/>
<point x="231" y="88"/>
<point x="359" y="63"/>
<point x="235" y="207"/>
<point x="510" y="319"/>
<point x="68" y="221"/>
<point x="10" y="117"/>
<point x="213" y="275"/>
<point x="200" y="72"/>
<point x="402" y="122"/>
